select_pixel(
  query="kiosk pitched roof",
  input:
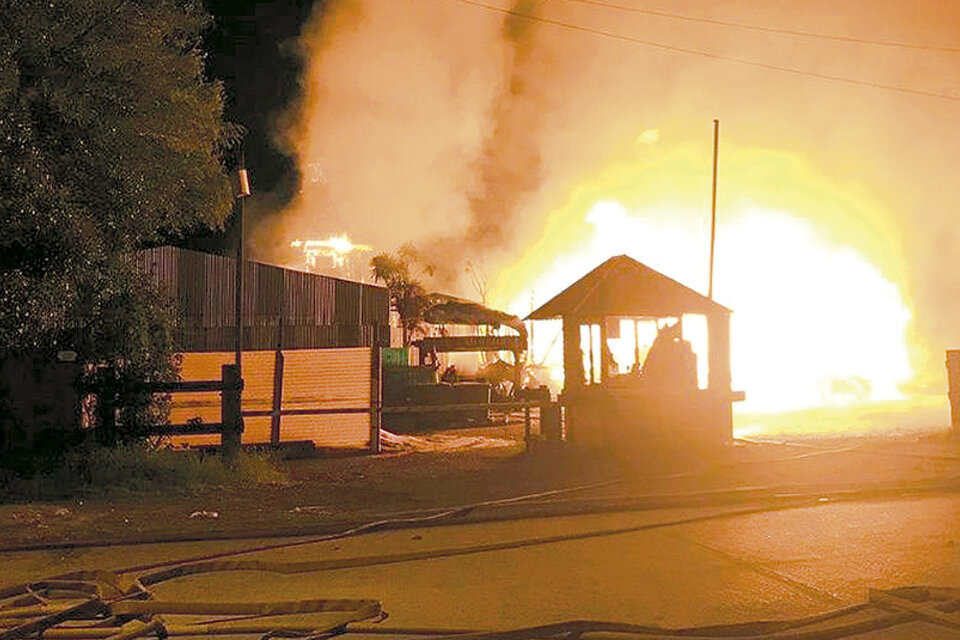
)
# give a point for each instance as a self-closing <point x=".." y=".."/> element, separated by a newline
<point x="621" y="286"/>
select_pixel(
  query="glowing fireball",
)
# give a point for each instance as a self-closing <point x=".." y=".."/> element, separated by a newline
<point x="810" y="266"/>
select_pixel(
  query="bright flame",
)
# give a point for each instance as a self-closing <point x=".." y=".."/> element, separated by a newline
<point x="809" y="267"/>
<point x="337" y="248"/>
<point x="650" y="136"/>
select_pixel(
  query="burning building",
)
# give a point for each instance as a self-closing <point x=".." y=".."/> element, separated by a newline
<point x="658" y="402"/>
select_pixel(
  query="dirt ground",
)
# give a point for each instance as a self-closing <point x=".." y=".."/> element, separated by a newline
<point x="445" y="469"/>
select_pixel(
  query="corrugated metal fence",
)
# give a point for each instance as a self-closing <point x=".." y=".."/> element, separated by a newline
<point x="310" y="379"/>
<point x="282" y="308"/>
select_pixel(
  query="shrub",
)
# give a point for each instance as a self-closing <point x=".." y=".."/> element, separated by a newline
<point x="137" y="468"/>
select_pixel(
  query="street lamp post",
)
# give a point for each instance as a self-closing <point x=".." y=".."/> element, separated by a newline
<point x="232" y="393"/>
<point x="243" y="191"/>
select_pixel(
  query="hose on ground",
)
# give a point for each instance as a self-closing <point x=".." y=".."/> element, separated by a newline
<point x="433" y="516"/>
<point x="132" y="619"/>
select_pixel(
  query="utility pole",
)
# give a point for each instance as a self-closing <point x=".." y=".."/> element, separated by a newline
<point x="243" y="190"/>
<point x="713" y="206"/>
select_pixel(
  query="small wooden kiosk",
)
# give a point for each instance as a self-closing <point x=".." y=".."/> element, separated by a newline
<point x="657" y="402"/>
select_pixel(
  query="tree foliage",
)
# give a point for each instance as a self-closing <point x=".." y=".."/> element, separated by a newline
<point x="407" y="295"/>
<point x="109" y="139"/>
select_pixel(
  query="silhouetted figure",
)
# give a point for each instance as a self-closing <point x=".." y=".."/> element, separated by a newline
<point x="671" y="363"/>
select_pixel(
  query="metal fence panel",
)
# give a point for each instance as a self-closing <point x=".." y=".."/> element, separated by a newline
<point x="326" y="379"/>
<point x="347" y="303"/>
<point x="312" y="379"/>
<point x="317" y="311"/>
<point x="257" y="369"/>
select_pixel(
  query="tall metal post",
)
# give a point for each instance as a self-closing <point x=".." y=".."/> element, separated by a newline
<point x="243" y="190"/>
<point x="713" y="205"/>
<point x="238" y="286"/>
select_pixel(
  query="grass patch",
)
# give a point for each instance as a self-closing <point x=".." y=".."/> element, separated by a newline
<point x="91" y="471"/>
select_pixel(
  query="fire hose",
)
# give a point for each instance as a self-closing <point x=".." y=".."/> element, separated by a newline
<point x="554" y="499"/>
<point x="98" y="604"/>
<point x="122" y="610"/>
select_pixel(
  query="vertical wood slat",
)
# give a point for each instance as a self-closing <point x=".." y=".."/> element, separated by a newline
<point x="281" y="299"/>
<point x="953" y="387"/>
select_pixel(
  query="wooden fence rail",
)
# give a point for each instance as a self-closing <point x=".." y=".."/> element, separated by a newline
<point x="230" y="426"/>
<point x="525" y="406"/>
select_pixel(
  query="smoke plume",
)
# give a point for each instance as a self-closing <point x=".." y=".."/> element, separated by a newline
<point x="508" y="166"/>
<point x="465" y="130"/>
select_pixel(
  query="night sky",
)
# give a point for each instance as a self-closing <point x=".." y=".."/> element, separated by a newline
<point x="534" y="154"/>
<point x="252" y="50"/>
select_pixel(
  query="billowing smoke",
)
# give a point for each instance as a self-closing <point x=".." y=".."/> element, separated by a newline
<point x="415" y="126"/>
<point x="466" y="129"/>
<point x="508" y="167"/>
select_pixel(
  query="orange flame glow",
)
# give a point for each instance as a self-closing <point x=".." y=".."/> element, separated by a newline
<point x="810" y="266"/>
<point x="337" y="248"/>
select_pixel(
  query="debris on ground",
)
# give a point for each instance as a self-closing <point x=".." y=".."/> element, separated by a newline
<point x="209" y="515"/>
<point x="439" y="442"/>
<point x="106" y="605"/>
<point x="27" y="517"/>
<point x="313" y="510"/>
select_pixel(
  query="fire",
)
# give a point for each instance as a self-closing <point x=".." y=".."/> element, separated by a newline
<point x="337" y="248"/>
<point x="810" y="267"/>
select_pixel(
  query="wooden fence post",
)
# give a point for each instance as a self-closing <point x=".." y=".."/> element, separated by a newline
<point x="953" y="387"/>
<point x="106" y="430"/>
<point x="376" y="395"/>
<point x="277" y="398"/>
<point x="230" y="415"/>
<point x="527" y="427"/>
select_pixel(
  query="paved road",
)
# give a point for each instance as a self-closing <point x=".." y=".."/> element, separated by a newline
<point x="777" y="564"/>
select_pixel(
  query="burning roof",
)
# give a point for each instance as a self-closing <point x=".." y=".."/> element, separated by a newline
<point x="448" y="309"/>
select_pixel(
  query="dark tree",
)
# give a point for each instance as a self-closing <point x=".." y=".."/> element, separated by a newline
<point x="407" y="295"/>
<point x="109" y="139"/>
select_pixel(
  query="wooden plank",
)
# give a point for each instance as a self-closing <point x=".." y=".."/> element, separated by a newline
<point x="470" y="343"/>
<point x="199" y="429"/>
<point x="376" y="396"/>
<point x="184" y="386"/>
<point x="329" y="411"/>
<point x="277" y="398"/>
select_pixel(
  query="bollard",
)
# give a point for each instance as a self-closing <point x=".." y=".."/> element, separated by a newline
<point x="230" y="415"/>
<point x="953" y="382"/>
<point x="527" y="427"/>
<point x="550" y="421"/>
